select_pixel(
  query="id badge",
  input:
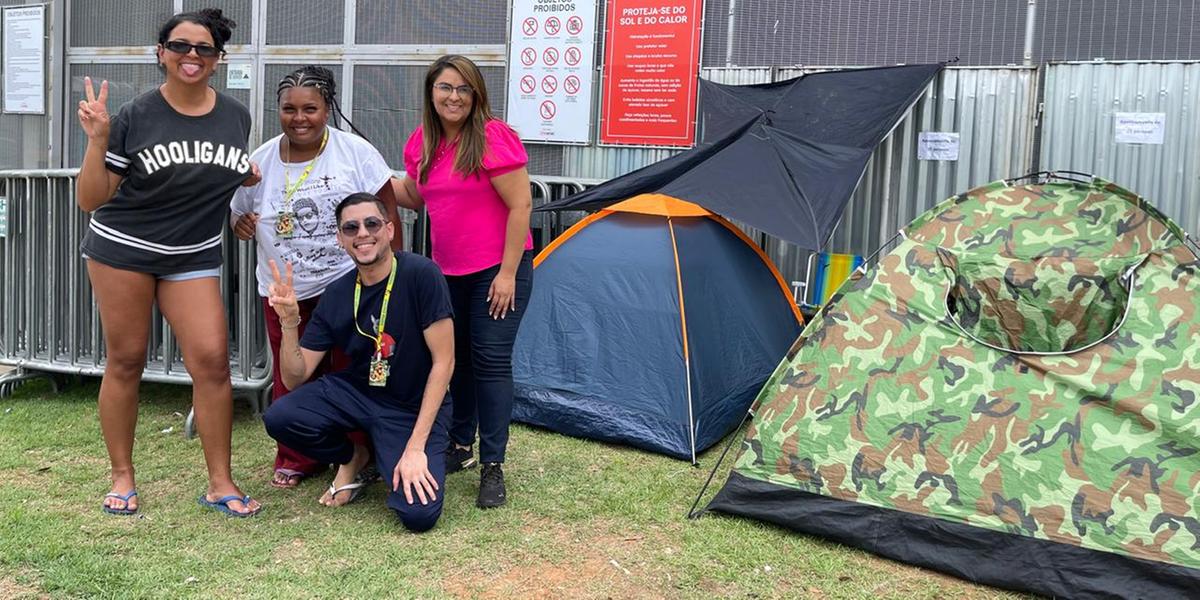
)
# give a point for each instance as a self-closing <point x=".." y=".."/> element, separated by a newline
<point x="285" y="224"/>
<point x="379" y="371"/>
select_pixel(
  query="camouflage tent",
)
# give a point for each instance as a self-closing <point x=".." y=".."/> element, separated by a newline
<point x="1009" y="396"/>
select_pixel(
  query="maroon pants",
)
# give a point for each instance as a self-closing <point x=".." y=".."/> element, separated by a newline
<point x="286" y="458"/>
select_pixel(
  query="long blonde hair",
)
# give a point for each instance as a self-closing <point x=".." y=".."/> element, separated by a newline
<point x="468" y="159"/>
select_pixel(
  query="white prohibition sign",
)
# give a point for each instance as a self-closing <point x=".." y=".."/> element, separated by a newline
<point x="528" y="56"/>
<point x="572" y="56"/>
<point x="553" y="25"/>
<point x="550" y="57"/>
<point x="574" y="25"/>
<point x="571" y="85"/>
<point x="527" y="84"/>
<point x="549" y="84"/>
<point x="529" y="26"/>
<point x="547" y="109"/>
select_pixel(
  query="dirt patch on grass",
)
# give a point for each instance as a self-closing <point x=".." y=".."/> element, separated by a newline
<point x="597" y="561"/>
<point x="11" y="588"/>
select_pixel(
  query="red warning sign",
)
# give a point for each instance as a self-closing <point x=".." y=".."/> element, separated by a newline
<point x="549" y="84"/>
<point x="571" y="85"/>
<point x="548" y="109"/>
<point x="553" y="25"/>
<point x="528" y="56"/>
<point x="527" y="84"/>
<point x="651" y="64"/>
<point x="574" y="25"/>
<point x="550" y="57"/>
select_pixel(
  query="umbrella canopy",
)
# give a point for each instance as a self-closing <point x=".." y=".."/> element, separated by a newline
<point x="783" y="157"/>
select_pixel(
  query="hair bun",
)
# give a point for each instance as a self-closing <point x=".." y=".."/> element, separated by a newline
<point x="221" y="25"/>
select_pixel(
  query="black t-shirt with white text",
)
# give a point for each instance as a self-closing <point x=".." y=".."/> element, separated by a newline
<point x="179" y="171"/>
<point x="419" y="299"/>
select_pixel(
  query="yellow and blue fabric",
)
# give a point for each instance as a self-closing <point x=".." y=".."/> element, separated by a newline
<point x="653" y="323"/>
<point x="831" y="271"/>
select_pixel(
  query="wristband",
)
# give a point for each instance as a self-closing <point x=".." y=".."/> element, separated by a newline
<point x="292" y="326"/>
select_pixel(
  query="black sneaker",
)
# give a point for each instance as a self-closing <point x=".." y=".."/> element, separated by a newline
<point x="459" y="459"/>
<point x="491" y="486"/>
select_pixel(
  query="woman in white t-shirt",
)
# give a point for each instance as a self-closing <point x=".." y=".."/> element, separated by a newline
<point x="306" y="171"/>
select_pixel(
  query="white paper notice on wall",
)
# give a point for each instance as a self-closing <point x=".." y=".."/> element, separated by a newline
<point x="1139" y="128"/>
<point x="237" y="76"/>
<point x="937" y="145"/>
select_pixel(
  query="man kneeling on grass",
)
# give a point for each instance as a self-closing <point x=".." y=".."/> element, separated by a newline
<point x="392" y="318"/>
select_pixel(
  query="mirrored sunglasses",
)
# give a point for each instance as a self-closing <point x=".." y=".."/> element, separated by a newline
<point x="372" y="224"/>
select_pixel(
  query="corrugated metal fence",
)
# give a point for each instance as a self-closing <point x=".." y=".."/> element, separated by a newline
<point x="1081" y="103"/>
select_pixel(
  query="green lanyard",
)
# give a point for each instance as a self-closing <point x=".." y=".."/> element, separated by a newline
<point x="387" y="294"/>
<point x="289" y="188"/>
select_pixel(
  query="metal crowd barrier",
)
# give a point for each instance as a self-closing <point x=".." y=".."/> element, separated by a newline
<point x="49" y="323"/>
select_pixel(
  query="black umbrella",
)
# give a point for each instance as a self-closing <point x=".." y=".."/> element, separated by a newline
<point x="782" y="157"/>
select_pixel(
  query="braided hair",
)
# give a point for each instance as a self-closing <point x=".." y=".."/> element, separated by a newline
<point x="321" y="79"/>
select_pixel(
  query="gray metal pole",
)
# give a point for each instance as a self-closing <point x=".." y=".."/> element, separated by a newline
<point x="1030" y="27"/>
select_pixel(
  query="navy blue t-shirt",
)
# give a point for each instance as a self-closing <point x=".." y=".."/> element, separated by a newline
<point x="419" y="299"/>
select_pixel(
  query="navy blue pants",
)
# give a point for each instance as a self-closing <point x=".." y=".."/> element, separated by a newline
<point x="315" y="418"/>
<point x="482" y="385"/>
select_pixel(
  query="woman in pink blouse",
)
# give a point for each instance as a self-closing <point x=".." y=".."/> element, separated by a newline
<point x="468" y="169"/>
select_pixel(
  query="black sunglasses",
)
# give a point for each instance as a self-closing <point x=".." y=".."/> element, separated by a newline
<point x="373" y="225"/>
<point x="179" y="47"/>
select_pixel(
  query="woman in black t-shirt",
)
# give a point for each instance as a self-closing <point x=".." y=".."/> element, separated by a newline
<point x="157" y="179"/>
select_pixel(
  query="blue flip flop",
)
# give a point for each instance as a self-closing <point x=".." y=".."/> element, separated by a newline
<point x="120" y="511"/>
<point x="222" y="505"/>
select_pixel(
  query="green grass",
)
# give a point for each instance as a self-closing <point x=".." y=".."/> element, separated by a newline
<point x="584" y="520"/>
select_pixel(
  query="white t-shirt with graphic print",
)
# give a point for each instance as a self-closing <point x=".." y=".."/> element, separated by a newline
<point x="348" y="164"/>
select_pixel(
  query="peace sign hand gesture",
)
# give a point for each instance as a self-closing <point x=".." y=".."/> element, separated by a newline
<point x="93" y="112"/>
<point x="280" y="294"/>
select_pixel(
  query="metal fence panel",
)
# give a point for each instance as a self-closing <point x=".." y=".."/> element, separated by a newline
<point x="1078" y="132"/>
<point x="48" y="318"/>
<point x="118" y="22"/>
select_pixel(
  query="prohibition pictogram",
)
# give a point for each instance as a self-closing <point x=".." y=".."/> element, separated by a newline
<point x="572" y="56"/>
<point x="550" y="57"/>
<point x="529" y="26"/>
<point x="553" y="25"/>
<point x="549" y="84"/>
<point x="574" y="25"/>
<point x="571" y="85"/>
<point x="527" y="84"/>
<point x="528" y="56"/>
<point x="547" y="109"/>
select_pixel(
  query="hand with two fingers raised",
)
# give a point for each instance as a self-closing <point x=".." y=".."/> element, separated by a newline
<point x="93" y="112"/>
<point x="281" y="295"/>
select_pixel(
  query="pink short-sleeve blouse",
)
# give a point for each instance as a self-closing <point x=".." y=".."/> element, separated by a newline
<point x="467" y="218"/>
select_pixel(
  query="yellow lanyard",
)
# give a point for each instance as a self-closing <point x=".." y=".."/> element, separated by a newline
<point x="387" y="294"/>
<point x="289" y="188"/>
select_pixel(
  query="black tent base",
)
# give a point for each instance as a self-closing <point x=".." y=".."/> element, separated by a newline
<point x="980" y="555"/>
